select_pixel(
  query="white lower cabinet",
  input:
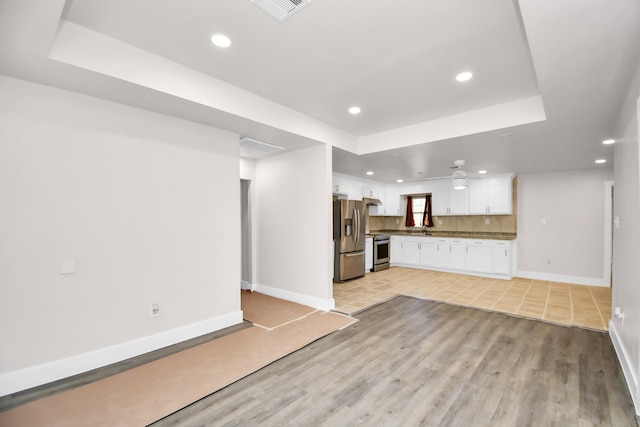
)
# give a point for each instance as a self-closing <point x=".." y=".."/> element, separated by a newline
<point x="397" y="250"/>
<point x="490" y="258"/>
<point x="420" y="252"/>
<point x="444" y="253"/>
<point x="412" y="251"/>
<point x="479" y="257"/>
<point x="368" y="254"/>
<point x="429" y="254"/>
<point x="452" y="254"/>
<point x="502" y="258"/>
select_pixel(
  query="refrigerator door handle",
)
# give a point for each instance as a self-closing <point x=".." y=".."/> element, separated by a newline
<point x="356" y="219"/>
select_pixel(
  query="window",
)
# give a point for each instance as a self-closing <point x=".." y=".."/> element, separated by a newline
<point x="418" y="209"/>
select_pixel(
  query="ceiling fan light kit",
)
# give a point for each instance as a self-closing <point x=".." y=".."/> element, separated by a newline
<point x="459" y="177"/>
<point x="459" y="183"/>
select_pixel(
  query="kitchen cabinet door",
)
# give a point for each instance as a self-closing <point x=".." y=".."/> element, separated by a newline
<point x="499" y="197"/>
<point x="458" y="255"/>
<point x="355" y="190"/>
<point x="478" y="196"/>
<point x="379" y="210"/>
<point x="440" y="200"/>
<point x="397" y="250"/>
<point x="340" y="187"/>
<point x="368" y="254"/>
<point x="458" y="201"/>
<point x="448" y="201"/>
<point x="444" y="253"/>
<point x="428" y="253"/>
<point x="392" y="201"/>
<point x="412" y="252"/>
<point x="491" y="196"/>
<point x="480" y="256"/>
<point x="370" y="191"/>
<point x="501" y="258"/>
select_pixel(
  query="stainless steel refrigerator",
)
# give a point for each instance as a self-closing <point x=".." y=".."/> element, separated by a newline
<point x="349" y="239"/>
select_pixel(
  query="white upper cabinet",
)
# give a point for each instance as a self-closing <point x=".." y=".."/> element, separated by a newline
<point x="491" y="196"/>
<point x="484" y="196"/>
<point x="340" y="186"/>
<point x="346" y="187"/>
<point x="391" y="204"/>
<point x="447" y="201"/>
<point x="370" y="192"/>
<point x="393" y="199"/>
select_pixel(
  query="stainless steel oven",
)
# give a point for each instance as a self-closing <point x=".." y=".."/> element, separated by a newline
<point x="381" y="251"/>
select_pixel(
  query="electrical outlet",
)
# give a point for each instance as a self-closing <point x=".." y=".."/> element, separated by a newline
<point x="487" y="221"/>
<point x="155" y="309"/>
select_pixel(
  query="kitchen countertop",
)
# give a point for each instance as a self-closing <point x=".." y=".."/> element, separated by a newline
<point x="450" y="234"/>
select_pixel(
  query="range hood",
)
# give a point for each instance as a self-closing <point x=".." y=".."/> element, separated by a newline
<point x="368" y="201"/>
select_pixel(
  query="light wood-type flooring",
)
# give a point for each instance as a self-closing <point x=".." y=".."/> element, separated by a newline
<point x="413" y="362"/>
<point x="561" y="303"/>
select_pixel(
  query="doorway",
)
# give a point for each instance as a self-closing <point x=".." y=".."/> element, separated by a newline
<point x="609" y="223"/>
<point x="245" y="234"/>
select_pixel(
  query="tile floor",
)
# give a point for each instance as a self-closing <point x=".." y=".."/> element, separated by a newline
<point x="561" y="303"/>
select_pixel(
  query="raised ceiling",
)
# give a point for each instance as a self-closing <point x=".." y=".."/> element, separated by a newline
<point x="548" y="75"/>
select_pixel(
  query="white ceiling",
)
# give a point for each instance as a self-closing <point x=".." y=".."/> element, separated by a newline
<point x="549" y="75"/>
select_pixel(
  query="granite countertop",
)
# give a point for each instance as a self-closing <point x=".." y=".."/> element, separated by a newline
<point x="451" y="234"/>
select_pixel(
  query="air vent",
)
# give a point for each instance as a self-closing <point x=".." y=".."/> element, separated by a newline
<point x="253" y="148"/>
<point x="281" y="9"/>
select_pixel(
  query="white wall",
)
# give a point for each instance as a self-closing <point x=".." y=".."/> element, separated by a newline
<point x="572" y="204"/>
<point x="293" y="234"/>
<point x="625" y="332"/>
<point x="146" y="205"/>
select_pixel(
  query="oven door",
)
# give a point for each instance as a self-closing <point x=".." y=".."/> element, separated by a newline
<point x="381" y="252"/>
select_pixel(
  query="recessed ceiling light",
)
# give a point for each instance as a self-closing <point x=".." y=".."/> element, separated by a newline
<point x="399" y="180"/>
<point x="608" y="141"/>
<point x="369" y="172"/>
<point x="601" y="161"/>
<point x="463" y="77"/>
<point x="482" y="172"/>
<point x="354" y="110"/>
<point x="220" y="40"/>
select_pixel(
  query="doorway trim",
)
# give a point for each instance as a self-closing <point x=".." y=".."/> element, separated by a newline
<point x="608" y="233"/>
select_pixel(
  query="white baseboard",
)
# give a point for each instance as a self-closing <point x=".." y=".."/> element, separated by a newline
<point x="449" y="270"/>
<point x="632" y="381"/>
<point x="246" y="286"/>
<point x="23" y="379"/>
<point x="317" y="303"/>
<point x="576" y="280"/>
